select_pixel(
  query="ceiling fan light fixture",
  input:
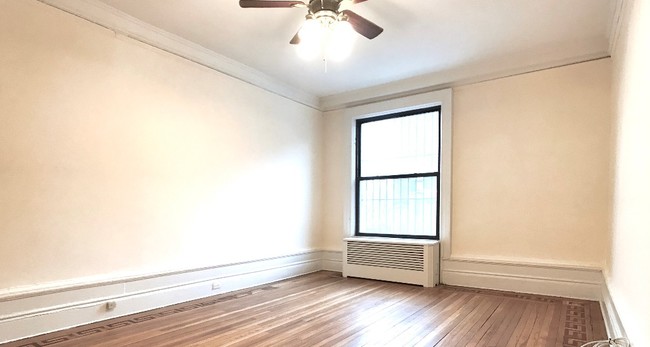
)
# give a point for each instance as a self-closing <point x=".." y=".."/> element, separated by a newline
<point x="329" y="29"/>
<point x="327" y="37"/>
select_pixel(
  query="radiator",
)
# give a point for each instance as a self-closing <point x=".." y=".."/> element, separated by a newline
<point x="394" y="260"/>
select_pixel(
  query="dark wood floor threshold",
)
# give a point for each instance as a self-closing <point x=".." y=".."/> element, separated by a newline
<point x="325" y="309"/>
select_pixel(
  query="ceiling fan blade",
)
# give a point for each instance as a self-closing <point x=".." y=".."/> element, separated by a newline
<point x="358" y="1"/>
<point x="362" y="25"/>
<point x="270" y="4"/>
<point x="296" y="39"/>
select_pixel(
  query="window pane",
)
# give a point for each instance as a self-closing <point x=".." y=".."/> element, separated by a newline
<point x="404" y="206"/>
<point x="403" y="145"/>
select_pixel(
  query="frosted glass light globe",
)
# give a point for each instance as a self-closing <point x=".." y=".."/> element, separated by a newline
<point x="332" y="40"/>
<point x="341" y="41"/>
<point x="310" y="36"/>
<point x="311" y="30"/>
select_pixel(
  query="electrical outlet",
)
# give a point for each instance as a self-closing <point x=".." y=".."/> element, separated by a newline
<point x="215" y="285"/>
<point x="110" y="306"/>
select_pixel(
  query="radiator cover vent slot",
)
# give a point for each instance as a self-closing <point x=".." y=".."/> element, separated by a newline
<point x="396" y="260"/>
<point x="394" y="256"/>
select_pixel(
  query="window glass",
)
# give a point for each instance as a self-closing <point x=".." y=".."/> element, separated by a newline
<point x="397" y="176"/>
<point x="400" y="145"/>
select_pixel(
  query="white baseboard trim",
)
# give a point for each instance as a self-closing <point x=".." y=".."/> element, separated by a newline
<point x="554" y="280"/>
<point x="33" y="313"/>
<point x="332" y="261"/>
<point x="610" y="315"/>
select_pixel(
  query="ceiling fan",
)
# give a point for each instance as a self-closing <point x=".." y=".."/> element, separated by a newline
<point x="321" y="16"/>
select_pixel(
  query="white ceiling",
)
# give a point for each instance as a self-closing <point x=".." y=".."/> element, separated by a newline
<point x="421" y="37"/>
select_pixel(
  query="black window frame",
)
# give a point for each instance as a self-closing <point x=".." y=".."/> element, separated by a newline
<point x="358" y="178"/>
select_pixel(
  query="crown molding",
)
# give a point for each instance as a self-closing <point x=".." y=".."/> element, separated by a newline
<point x="505" y="66"/>
<point x="117" y="21"/>
<point x="110" y="18"/>
<point x="616" y="23"/>
<point x="451" y="78"/>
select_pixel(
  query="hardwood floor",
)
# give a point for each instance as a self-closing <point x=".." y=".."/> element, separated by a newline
<point x="324" y="309"/>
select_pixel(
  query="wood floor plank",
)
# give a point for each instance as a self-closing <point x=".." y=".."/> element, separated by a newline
<point x="325" y="309"/>
<point x="533" y="336"/>
<point x="596" y="318"/>
<point x="449" y="323"/>
<point x="420" y="323"/>
<point x="333" y="318"/>
<point x="231" y="306"/>
<point x="394" y="322"/>
<point x="471" y="323"/>
<point x="519" y="329"/>
<point x="279" y="313"/>
<point x="541" y="335"/>
<point x="354" y="319"/>
<point x="483" y="329"/>
<point x="499" y="330"/>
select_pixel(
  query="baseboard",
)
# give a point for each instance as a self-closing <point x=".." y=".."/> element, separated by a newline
<point x="332" y="260"/>
<point x="37" y="312"/>
<point x="33" y="313"/>
<point x="543" y="279"/>
<point x="610" y="315"/>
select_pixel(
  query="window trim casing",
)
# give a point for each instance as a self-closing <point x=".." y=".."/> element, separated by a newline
<point x="358" y="178"/>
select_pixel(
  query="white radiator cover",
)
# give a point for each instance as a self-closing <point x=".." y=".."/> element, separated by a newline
<point x="395" y="260"/>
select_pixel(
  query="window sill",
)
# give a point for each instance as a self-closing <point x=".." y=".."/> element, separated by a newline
<point x="391" y="240"/>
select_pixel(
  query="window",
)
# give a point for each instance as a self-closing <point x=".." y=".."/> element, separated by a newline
<point x="397" y="180"/>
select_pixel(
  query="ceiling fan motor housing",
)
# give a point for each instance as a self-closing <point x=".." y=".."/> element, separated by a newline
<point x="316" y="6"/>
<point x="326" y="12"/>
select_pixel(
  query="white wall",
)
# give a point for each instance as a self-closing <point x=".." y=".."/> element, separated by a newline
<point x="531" y="156"/>
<point x="530" y="177"/>
<point x="627" y="270"/>
<point x="119" y="159"/>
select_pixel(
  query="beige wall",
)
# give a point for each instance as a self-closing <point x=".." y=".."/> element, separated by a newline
<point x="530" y="168"/>
<point x="119" y="159"/>
<point x="627" y="272"/>
<point x="337" y="186"/>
